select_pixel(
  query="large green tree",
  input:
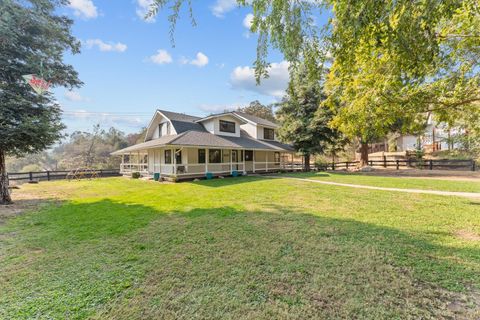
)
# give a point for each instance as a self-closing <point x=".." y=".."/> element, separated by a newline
<point x="33" y="39"/>
<point x="393" y="60"/>
<point x="256" y="108"/>
<point x="304" y="122"/>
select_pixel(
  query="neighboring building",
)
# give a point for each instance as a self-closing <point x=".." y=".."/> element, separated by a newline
<point x="186" y="146"/>
<point x="436" y="137"/>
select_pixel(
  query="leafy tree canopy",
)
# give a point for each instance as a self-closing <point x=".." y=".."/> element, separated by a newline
<point x="255" y="108"/>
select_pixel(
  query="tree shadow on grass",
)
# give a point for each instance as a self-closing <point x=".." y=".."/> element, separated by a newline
<point x="129" y="261"/>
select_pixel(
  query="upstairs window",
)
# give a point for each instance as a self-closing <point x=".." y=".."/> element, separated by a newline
<point x="268" y="134"/>
<point x="227" y="126"/>
<point x="160" y="126"/>
<point x="164" y="129"/>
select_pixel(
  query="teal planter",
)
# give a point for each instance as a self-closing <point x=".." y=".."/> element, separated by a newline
<point x="209" y="175"/>
<point x="235" y="173"/>
<point x="156" y="176"/>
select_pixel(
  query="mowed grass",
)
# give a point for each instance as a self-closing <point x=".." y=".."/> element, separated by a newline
<point x="239" y="248"/>
<point x="393" y="182"/>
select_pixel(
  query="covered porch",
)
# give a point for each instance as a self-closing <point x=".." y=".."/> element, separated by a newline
<point x="191" y="162"/>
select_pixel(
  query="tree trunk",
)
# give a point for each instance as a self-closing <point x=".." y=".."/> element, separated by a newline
<point x="363" y="154"/>
<point x="4" y="191"/>
<point x="306" y="162"/>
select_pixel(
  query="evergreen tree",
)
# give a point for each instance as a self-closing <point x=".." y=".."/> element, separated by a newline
<point x="33" y="40"/>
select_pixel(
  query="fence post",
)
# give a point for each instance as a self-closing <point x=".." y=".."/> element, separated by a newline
<point x="371" y="163"/>
<point x="384" y="161"/>
<point x="48" y="175"/>
<point x="473" y="165"/>
<point x="408" y="163"/>
<point x="30" y="176"/>
<point x="398" y="164"/>
<point x="101" y="172"/>
<point x="346" y="164"/>
<point x="431" y="164"/>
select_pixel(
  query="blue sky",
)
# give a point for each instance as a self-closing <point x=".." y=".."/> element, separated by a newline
<point x="129" y="67"/>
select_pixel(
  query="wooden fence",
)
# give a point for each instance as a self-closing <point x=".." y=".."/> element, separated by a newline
<point x="57" y="175"/>
<point x="444" y="164"/>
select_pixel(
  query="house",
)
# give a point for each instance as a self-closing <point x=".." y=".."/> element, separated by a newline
<point x="183" y="146"/>
<point x="436" y="136"/>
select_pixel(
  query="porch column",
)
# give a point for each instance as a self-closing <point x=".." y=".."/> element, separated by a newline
<point x="130" y="161"/>
<point x="174" y="161"/>
<point x="291" y="165"/>
<point x="243" y="160"/>
<point x="138" y="161"/>
<point x="231" y="167"/>
<point x="206" y="160"/>
<point x="253" y="154"/>
<point x="266" y="161"/>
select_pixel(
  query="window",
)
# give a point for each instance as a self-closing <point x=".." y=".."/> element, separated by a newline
<point x="160" y="126"/>
<point x="268" y="134"/>
<point x="215" y="156"/>
<point x="168" y="156"/>
<point x="248" y="155"/>
<point x="276" y="157"/>
<point x="227" y="126"/>
<point x="178" y="156"/>
<point x="201" y="155"/>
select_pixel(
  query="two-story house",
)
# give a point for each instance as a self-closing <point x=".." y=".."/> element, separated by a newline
<point x="185" y="146"/>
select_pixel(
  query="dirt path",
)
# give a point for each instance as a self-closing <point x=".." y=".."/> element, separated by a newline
<point x="358" y="186"/>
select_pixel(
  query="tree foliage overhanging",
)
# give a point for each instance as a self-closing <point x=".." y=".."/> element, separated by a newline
<point x="393" y="61"/>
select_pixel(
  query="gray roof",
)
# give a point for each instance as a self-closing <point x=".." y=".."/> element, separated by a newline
<point x="207" y="139"/>
<point x="178" y="116"/>
<point x="260" y="121"/>
<point x="146" y="145"/>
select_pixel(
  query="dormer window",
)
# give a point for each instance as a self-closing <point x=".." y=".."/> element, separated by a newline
<point x="227" y="126"/>
<point x="161" y="129"/>
<point x="268" y="134"/>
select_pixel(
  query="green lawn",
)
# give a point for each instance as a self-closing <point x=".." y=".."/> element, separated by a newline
<point x="239" y="248"/>
<point x="392" y="182"/>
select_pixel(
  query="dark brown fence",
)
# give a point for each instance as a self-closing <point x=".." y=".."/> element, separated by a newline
<point x="444" y="164"/>
<point x="57" y="175"/>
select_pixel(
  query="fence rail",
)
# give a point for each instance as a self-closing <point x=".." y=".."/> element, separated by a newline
<point x="57" y="175"/>
<point x="440" y="164"/>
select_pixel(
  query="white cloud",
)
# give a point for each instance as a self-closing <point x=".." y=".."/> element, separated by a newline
<point x="223" y="6"/>
<point x="161" y="57"/>
<point x="103" y="46"/>
<point x="143" y="7"/>
<point x="243" y="78"/>
<point x="201" y="60"/>
<point x="75" y="96"/>
<point x="83" y="8"/>
<point x="248" y="20"/>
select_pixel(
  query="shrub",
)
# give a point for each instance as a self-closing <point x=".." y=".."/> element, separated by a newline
<point x="136" y="175"/>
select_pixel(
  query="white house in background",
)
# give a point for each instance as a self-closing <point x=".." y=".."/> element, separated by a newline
<point x="434" y="138"/>
<point x="184" y="146"/>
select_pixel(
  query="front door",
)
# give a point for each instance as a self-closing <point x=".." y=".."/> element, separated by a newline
<point x="249" y="160"/>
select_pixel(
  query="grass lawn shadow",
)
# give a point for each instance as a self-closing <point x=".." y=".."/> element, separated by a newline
<point x="110" y="259"/>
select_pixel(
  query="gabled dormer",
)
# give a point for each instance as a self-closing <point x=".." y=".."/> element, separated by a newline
<point x="224" y="124"/>
<point x="258" y="128"/>
<point x="167" y="123"/>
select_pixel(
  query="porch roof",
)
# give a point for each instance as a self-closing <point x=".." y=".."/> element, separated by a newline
<point x="195" y="138"/>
